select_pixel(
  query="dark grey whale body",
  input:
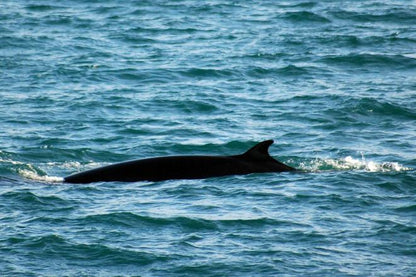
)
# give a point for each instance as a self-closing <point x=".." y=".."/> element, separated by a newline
<point x="255" y="160"/>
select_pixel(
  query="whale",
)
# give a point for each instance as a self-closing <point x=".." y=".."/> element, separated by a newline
<point x="255" y="160"/>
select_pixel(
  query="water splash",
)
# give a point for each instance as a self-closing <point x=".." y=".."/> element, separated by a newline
<point x="29" y="171"/>
<point x="32" y="174"/>
<point x="350" y="163"/>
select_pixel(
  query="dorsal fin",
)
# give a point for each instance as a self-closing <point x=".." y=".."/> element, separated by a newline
<point x="259" y="151"/>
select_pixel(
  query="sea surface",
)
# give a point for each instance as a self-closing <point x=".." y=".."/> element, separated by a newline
<point x="89" y="83"/>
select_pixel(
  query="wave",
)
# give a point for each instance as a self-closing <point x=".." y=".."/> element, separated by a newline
<point x="285" y="71"/>
<point x="34" y="173"/>
<point x="27" y="200"/>
<point x="210" y="222"/>
<point x="29" y="171"/>
<point x="40" y="8"/>
<point x="381" y="61"/>
<point x="129" y="219"/>
<point x="305" y="17"/>
<point x="410" y="208"/>
<point x="357" y="40"/>
<point x="396" y="15"/>
<point x="350" y="163"/>
<point x="346" y="109"/>
<point x="381" y="108"/>
<point x="54" y="245"/>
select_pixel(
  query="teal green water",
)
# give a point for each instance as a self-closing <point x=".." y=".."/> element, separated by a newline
<point x="89" y="83"/>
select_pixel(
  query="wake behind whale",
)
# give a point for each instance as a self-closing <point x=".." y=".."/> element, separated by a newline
<point x="255" y="160"/>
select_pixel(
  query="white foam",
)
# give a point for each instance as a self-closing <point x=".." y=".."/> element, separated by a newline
<point x="372" y="166"/>
<point x="350" y="163"/>
<point x="33" y="175"/>
<point x="31" y="172"/>
<point x="28" y="171"/>
<point x="75" y="165"/>
<point x="10" y="161"/>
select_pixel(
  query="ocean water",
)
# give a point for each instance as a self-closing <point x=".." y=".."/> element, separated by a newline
<point x="89" y="83"/>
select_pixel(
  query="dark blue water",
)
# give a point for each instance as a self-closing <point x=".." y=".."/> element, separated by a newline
<point x="89" y="83"/>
